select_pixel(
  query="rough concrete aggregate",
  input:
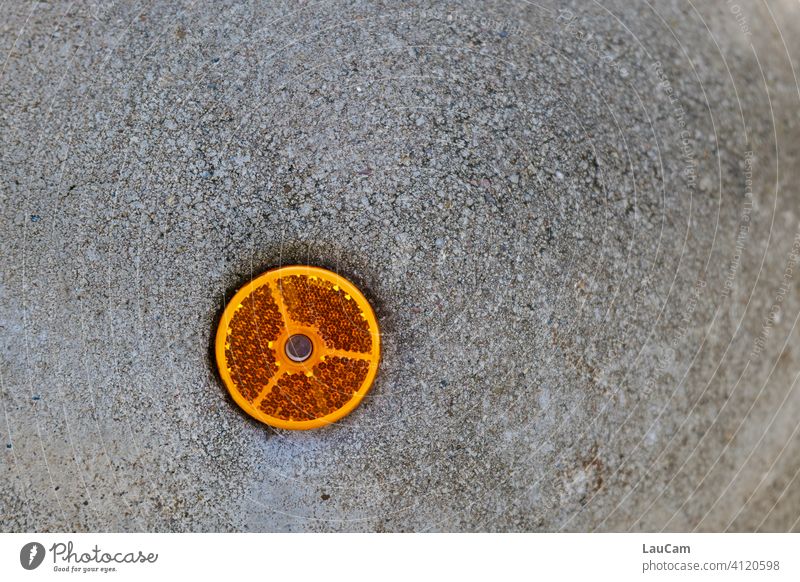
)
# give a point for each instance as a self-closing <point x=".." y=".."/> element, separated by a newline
<point x="572" y="219"/>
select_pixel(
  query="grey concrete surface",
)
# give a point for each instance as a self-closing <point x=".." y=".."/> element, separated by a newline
<point x="576" y="223"/>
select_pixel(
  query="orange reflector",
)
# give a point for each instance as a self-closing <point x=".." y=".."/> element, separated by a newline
<point x="298" y="347"/>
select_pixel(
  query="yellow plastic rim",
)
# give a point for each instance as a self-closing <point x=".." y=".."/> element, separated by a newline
<point x="251" y="347"/>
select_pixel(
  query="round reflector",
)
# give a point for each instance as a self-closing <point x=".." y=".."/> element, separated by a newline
<point x="298" y="347"/>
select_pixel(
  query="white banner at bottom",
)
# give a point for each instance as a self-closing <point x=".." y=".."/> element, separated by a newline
<point x="352" y="557"/>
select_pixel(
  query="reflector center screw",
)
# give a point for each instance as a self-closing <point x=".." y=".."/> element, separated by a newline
<point x="298" y="347"/>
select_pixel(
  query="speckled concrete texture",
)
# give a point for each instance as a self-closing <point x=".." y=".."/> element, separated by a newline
<point x="579" y="225"/>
